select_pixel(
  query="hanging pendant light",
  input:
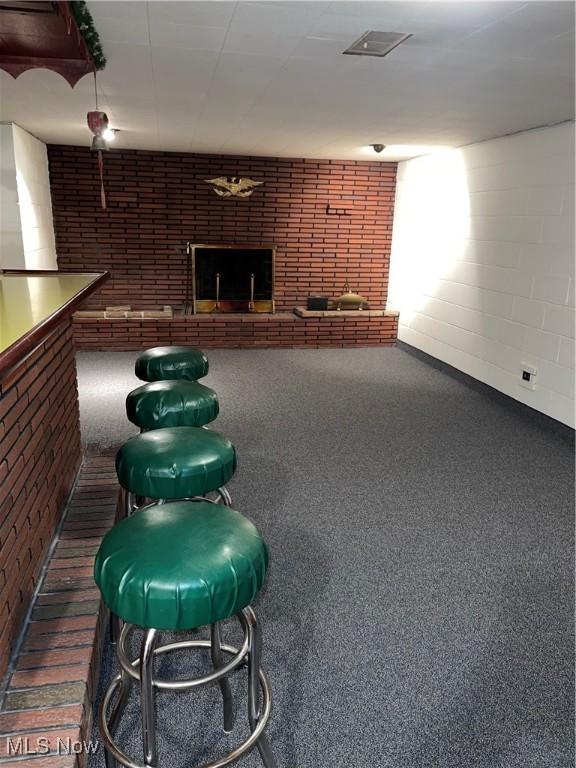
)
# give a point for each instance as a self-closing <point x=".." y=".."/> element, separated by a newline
<point x="98" y="144"/>
<point x="98" y="124"/>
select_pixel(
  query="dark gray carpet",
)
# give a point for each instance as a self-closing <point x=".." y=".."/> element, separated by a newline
<point x="419" y="606"/>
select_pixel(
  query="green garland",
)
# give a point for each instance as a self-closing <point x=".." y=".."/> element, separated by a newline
<point x="88" y="31"/>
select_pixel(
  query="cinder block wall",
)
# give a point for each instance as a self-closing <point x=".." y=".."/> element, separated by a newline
<point x="34" y="200"/>
<point x="483" y="262"/>
<point x="159" y="200"/>
<point x="26" y="228"/>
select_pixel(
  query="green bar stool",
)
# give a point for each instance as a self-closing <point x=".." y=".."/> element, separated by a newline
<point x="175" y="567"/>
<point x="174" y="463"/>
<point x="172" y="404"/>
<point x="168" y="363"/>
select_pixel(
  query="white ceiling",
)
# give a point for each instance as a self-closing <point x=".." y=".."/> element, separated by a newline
<point x="269" y="78"/>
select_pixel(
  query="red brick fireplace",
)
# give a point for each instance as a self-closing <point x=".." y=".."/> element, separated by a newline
<point x="329" y="221"/>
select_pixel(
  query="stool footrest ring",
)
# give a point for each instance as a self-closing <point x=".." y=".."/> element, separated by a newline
<point x="231" y="757"/>
<point x="132" y="667"/>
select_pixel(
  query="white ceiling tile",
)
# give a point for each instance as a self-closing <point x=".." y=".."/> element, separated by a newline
<point x="121" y="22"/>
<point x="177" y="68"/>
<point x="126" y="11"/>
<point x="316" y="47"/>
<point x="172" y="34"/>
<point x="472" y="14"/>
<point x="285" y="18"/>
<point x="209" y="13"/>
<point x="269" y="28"/>
<point x="270" y="78"/>
<point x="128" y="70"/>
<point x="522" y="32"/>
<point x="243" y="76"/>
<point x="349" y="28"/>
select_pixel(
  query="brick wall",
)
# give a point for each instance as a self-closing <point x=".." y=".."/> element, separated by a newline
<point x="228" y="331"/>
<point x="40" y="452"/>
<point x="158" y="200"/>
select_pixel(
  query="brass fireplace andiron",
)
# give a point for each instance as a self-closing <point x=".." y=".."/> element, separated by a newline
<point x="251" y="302"/>
<point x="216" y="307"/>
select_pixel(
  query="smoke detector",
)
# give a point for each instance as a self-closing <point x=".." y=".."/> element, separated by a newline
<point x="376" y="43"/>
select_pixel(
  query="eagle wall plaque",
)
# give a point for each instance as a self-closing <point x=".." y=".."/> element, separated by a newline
<point x="233" y="186"/>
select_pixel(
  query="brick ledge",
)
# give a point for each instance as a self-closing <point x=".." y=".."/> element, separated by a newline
<point x="235" y="331"/>
<point x="55" y="675"/>
<point x="356" y="314"/>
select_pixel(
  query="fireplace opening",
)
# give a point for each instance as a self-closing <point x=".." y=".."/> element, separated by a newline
<point x="232" y="278"/>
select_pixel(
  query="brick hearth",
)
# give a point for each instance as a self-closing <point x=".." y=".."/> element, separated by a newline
<point x="229" y="331"/>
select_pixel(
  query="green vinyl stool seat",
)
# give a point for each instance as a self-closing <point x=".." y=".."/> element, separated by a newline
<point x="172" y="404"/>
<point x="180" y="565"/>
<point x="175" y="463"/>
<point x="168" y="363"/>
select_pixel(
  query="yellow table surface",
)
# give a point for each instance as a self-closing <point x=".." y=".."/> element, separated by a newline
<point x="28" y="300"/>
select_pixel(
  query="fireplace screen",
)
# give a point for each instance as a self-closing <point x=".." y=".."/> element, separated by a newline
<point x="231" y="278"/>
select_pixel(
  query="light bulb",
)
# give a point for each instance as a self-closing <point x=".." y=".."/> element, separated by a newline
<point x="109" y="134"/>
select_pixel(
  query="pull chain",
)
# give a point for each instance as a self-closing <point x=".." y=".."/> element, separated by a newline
<point x="100" y="157"/>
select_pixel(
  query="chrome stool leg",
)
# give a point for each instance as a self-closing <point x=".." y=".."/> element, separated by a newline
<point x="254" y="711"/>
<point x="115" y="625"/>
<point x="116" y="714"/>
<point x="124" y="508"/>
<point x="225" y="496"/>
<point x="147" y="699"/>
<point x="140" y="670"/>
<point x="127" y="503"/>
<point x="224" y="683"/>
<point x="120" y="505"/>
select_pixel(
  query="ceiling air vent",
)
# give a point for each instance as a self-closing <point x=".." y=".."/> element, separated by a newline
<point x="376" y="43"/>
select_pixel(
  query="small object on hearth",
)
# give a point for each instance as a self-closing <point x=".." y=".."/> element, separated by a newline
<point x="233" y="186"/>
<point x="317" y="303"/>
<point x="349" y="300"/>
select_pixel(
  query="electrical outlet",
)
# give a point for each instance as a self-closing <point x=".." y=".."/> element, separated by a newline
<point x="527" y="376"/>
